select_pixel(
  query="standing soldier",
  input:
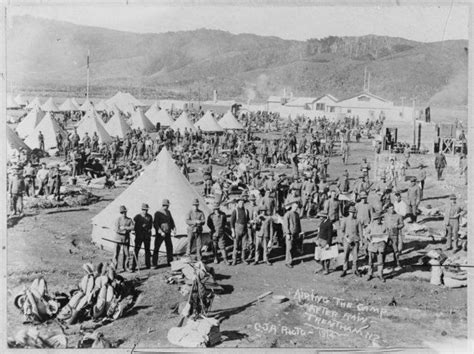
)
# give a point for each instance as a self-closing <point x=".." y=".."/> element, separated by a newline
<point x="365" y="167"/>
<point x="164" y="227"/>
<point x="325" y="164"/>
<point x="41" y="140"/>
<point x="394" y="224"/>
<point x="309" y="189"/>
<point x="16" y="188"/>
<point x="422" y="178"/>
<point x="123" y="227"/>
<point x="377" y="236"/>
<point x="30" y="176"/>
<point x="345" y="152"/>
<point x="59" y="141"/>
<point x="292" y="230"/>
<point x="195" y="220"/>
<point x="332" y="207"/>
<point x="440" y="164"/>
<point x="451" y="222"/>
<point x="143" y="225"/>
<point x="364" y="216"/>
<point x="217" y="223"/>
<point x="350" y="229"/>
<point x="414" y="197"/>
<point x="253" y="215"/>
<point x="362" y="186"/>
<point x="324" y="240"/>
<point x="207" y="174"/>
<point x="239" y="221"/>
<point x="264" y="234"/>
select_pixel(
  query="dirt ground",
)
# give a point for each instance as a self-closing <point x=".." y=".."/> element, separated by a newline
<point x="55" y="244"/>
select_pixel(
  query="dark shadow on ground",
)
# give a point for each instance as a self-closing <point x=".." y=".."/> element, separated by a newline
<point x="232" y="335"/>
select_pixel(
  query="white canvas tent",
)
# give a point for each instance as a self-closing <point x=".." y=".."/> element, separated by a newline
<point x="49" y="127"/>
<point x="162" y="117"/>
<point x="86" y="106"/>
<point x="50" y="106"/>
<point x="14" y="143"/>
<point x="117" y="126"/>
<point x="229" y="122"/>
<point x="29" y="123"/>
<point x="161" y="179"/>
<point x="68" y="106"/>
<point x="20" y="100"/>
<point x="182" y="123"/>
<point x="73" y="100"/>
<point x="124" y="101"/>
<point x="11" y="104"/>
<point x="208" y="123"/>
<point x="90" y="124"/>
<point x="154" y="108"/>
<point x="101" y="106"/>
<point x="34" y="103"/>
<point x="139" y="120"/>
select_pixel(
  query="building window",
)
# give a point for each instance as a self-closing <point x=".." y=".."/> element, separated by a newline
<point x="349" y="111"/>
<point x="363" y="98"/>
<point x="320" y="106"/>
<point x="332" y="109"/>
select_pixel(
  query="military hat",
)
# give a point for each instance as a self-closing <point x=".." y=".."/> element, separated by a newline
<point x="165" y="202"/>
<point x="262" y="208"/>
<point x="363" y="194"/>
<point x="145" y="206"/>
<point x="252" y="197"/>
<point x="345" y="173"/>
<point x="377" y="215"/>
<point x="383" y="177"/>
<point x="123" y="209"/>
<point x="322" y="214"/>
<point x="413" y="179"/>
<point x="215" y="205"/>
<point x="196" y="202"/>
<point x="352" y="209"/>
<point x="290" y="202"/>
<point x="452" y="197"/>
<point x="390" y="205"/>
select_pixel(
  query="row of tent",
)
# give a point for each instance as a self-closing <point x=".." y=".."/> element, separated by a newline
<point x="39" y="121"/>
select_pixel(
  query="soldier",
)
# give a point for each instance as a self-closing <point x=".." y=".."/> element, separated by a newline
<point x="292" y="230"/>
<point x="30" y="176"/>
<point x="264" y="234"/>
<point x="16" y="188"/>
<point x="345" y="152"/>
<point x="332" y="207"/>
<point x="343" y="185"/>
<point x="195" y="220"/>
<point x="253" y="209"/>
<point x="41" y="140"/>
<point x="207" y="173"/>
<point x="239" y="222"/>
<point x="394" y="224"/>
<point x="308" y="191"/>
<point x="451" y="221"/>
<point x="324" y="240"/>
<point x="365" y="167"/>
<point x="364" y="215"/>
<point x="440" y="164"/>
<point x="143" y="225"/>
<point x="217" y="223"/>
<point x="376" y="235"/>
<point x="123" y="226"/>
<point x="350" y="229"/>
<point x="414" y="197"/>
<point x="421" y="179"/>
<point x="295" y="188"/>
<point x="43" y="177"/>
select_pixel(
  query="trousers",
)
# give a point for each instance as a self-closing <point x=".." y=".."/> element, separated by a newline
<point x="144" y="240"/>
<point x="261" y="242"/>
<point x="194" y="236"/>
<point x="291" y="241"/>
<point x="169" y="248"/>
<point x="241" y="242"/>
<point x="453" y="231"/>
<point x="348" y="247"/>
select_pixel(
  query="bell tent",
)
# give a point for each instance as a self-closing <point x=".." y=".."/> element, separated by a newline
<point x="29" y="123"/>
<point x="117" y="126"/>
<point x="90" y="124"/>
<point x="182" y="123"/>
<point x="50" y="106"/>
<point x="139" y="120"/>
<point x="229" y="122"/>
<point x="209" y="124"/>
<point x="49" y="127"/>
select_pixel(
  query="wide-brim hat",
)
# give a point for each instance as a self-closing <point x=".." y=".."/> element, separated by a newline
<point x="123" y="209"/>
<point x="196" y="201"/>
<point x="215" y="206"/>
<point x="322" y="214"/>
<point x="145" y="206"/>
<point x="290" y="202"/>
<point x="377" y="215"/>
<point x="452" y="197"/>
<point x="252" y="197"/>
<point x="165" y="202"/>
<point x="352" y="209"/>
<point x="363" y="194"/>
<point x="413" y="179"/>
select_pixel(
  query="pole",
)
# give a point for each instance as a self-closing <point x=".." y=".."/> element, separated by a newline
<point x="87" y="88"/>
<point x="403" y="106"/>
<point x="414" y="124"/>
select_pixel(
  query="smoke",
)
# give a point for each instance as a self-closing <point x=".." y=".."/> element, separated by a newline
<point x="453" y="94"/>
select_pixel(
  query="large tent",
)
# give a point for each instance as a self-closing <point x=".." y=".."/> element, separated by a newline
<point x="154" y="108"/>
<point x="117" y="126"/>
<point x="20" y="100"/>
<point x="160" y="116"/>
<point x="161" y="179"/>
<point x="34" y="103"/>
<point x="14" y="143"/>
<point x="73" y="100"/>
<point x="29" y="123"/>
<point x="11" y="103"/>
<point x="86" y="106"/>
<point x="229" y="122"/>
<point x="49" y="127"/>
<point x="183" y="123"/>
<point x="208" y="124"/>
<point x="139" y="120"/>
<point x="124" y="101"/>
<point x="50" y="106"/>
<point x="90" y="124"/>
<point x="68" y="106"/>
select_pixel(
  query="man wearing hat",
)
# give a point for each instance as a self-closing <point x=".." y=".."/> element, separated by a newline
<point x="217" y="223"/>
<point x="253" y="214"/>
<point x="264" y="234"/>
<point x="394" y="224"/>
<point x="195" y="220"/>
<point x="365" y="167"/>
<point x="414" y="198"/>
<point x="324" y="240"/>
<point x="143" y="224"/>
<point x="452" y="217"/>
<point x="123" y="226"/>
<point x="364" y="216"/>
<point x="292" y="230"/>
<point x="350" y="230"/>
<point x="332" y="207"/>
<point x="16" y="187"/>
<point x="422" y="178"/>
<point x="440" y="164"/>
<point x="43" y="176"/>
<point x="29" y="175"/>
<point x="377" y="236"/>
<point x="343" y="184"/>
<point x="308" y="191"/>
<point x="41" y="140"/>
<point x="363" y="185"/>
<point x="345" y="152"/>
<point x="239" y="223"/>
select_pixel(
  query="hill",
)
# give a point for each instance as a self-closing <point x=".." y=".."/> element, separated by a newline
<point x="52" y="54"/>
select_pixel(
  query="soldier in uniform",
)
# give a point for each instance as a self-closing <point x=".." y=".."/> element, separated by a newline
<point x="123" y="226"/>
<point x="16" y="188"/>
<point x="195" y="220"/>
<point x="239" y="222"/>
<point x="365" y="167"/>
<point x="422" y="179"/>
<point x="332" y="207"/>
<point x="414" y="197"/>
<point x="440" y="164"/>
<point x="143" y="225"/>
<point x="264" y="234"/>
<point x="292" y="230"/>
<point x="374" y="234"/>
<point x="451" y="221"/>
<point x="308" y="191"/>
<point x="324" y="240"/>
<point x="217" y="223"/>
<point x="394" y="224"/>
<point x="350" y="229"/>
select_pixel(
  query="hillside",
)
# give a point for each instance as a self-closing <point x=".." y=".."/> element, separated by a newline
<point x="52" y="54"/>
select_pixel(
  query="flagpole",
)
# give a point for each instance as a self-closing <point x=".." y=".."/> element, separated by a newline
<point x="87" y="89"/>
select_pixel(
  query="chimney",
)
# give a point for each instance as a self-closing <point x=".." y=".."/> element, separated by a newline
<point x="215" y="96"/>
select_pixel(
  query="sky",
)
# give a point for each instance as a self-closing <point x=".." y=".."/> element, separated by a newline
<point x="420" y="23"/>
